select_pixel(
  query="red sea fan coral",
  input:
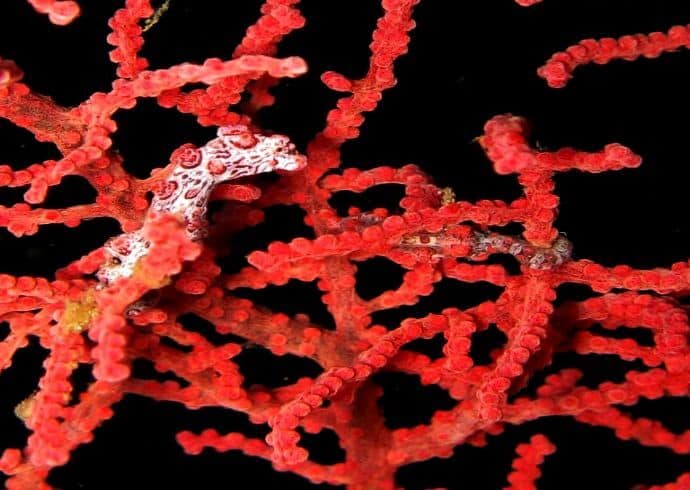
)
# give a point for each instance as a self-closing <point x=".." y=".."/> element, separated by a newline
<point x="302" y="318"/>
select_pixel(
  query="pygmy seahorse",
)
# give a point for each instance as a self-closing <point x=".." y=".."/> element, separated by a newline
<point x="236" y="152"/>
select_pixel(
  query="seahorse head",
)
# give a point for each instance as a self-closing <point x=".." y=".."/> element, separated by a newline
<point x="259" y="153"/>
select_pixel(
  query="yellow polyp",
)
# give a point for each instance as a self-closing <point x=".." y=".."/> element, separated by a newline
<point x="153" y="20"/>
<point x="151" y="282"/>
<point x="447" y="196"/>
<point x="79" y="314"/>
<point x="25" y="408"/>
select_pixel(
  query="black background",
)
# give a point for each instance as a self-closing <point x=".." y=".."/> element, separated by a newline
<point x="467" y="62"/>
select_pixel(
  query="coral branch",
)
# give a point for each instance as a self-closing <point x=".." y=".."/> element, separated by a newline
<point x="559" y="69"/>
<point x="526" y="467"/>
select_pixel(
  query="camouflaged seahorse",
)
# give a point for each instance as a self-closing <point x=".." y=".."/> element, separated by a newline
<point x="236" y="152"/>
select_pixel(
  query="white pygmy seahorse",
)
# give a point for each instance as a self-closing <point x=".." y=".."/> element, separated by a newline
<point x="236" y="152"/>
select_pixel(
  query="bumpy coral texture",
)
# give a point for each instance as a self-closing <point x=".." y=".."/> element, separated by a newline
<point x="123" y="300"/>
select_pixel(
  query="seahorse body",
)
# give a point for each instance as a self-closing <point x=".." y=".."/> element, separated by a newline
<point x="236" y="152"/>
